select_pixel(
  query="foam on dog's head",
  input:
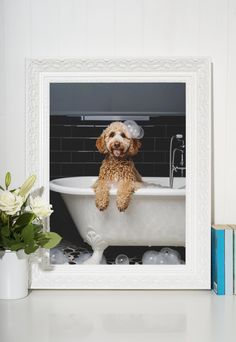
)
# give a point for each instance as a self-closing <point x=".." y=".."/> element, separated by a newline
<point x="135" y="131"/>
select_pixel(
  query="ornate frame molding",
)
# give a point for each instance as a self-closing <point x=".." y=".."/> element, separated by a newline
<point x="196" y="73"/>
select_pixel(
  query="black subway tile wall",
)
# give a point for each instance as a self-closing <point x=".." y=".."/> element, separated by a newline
<point x="73" y="150"/>
<point x="73" y="153"/>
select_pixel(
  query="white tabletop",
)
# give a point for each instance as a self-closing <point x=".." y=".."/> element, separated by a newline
<point x="179" y="316"/>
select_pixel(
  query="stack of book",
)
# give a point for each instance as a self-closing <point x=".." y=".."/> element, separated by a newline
<point x="223" y="259"/>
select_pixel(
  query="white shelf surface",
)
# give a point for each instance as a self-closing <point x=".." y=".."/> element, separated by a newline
<point x="71" y="315"/>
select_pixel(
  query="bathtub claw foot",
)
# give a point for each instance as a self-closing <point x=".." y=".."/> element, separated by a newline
<point x="98" y="245"/>
<point x="95" y="259"/>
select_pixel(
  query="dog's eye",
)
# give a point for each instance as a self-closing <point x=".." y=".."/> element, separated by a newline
<point x="123" y="135"/>
<point x="111" y="135"/>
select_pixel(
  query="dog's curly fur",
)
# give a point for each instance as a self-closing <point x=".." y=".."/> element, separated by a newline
<point x="117" y="167"/>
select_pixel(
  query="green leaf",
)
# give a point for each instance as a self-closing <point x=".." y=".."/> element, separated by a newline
<point x="16" y="246"/>
<point x="5" y="231"/>
<point x="54" y="239"/>
<point x="6" y="242"/>
<point x="31" y="248"/>
<point x="7" y="179"/>
<point x="24" y="219"/>
<point x="1" y="188"/>
<point x="4" y="217"/>
<point x="27" y="185"/>
<point x="43" y="241"/>
<point x="17" y="237"/>
<point x="28" y="233"/>
<point x="38" y="230"/>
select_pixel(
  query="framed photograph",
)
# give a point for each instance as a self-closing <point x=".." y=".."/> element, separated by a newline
<point x="122" y="148"/>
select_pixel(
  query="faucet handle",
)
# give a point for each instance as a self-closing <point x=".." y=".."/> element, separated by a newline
<point x="179" y="137"/>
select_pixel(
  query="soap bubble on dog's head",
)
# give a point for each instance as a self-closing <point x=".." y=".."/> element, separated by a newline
<point x="135" y="131"/>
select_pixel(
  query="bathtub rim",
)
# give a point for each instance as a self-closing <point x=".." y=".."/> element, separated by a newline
<point x="69" y="190"/>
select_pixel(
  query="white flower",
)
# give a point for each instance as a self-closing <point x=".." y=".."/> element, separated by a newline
<point x="10" y="202"/>
<point x="39" y="207"/>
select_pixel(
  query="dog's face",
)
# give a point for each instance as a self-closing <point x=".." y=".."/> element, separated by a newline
<point x="117" y="141"/>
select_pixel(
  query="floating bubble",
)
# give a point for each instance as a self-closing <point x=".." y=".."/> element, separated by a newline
<point x="122" y="259"/>
<point x="171" y="256"/>
<point x="160" y="259"/>
<point x="134" y="129"/>
<point x="166" y="256"/>
<point x="57" y="257"/>
<point x="169" y="251"/>
<point x="150" y="257"/>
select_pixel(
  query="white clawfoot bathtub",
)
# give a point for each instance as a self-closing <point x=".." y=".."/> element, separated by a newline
<point x="155" y="216"/>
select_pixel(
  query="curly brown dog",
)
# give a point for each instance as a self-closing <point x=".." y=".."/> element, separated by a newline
<point x="117" y="167"/>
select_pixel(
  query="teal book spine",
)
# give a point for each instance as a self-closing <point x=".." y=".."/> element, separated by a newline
<point x="229" y="281"/>
<point x="218" y="260"/>
<point x="234" y="255"/>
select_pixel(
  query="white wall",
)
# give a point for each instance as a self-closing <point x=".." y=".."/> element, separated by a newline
<point x="65" y="28"/>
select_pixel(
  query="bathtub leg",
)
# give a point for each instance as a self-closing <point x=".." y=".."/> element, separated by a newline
<point x="95" y="259"/>
<point x="98" y="245"/>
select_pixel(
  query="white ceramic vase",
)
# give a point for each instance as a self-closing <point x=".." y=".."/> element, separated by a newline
<point x="13" y="274"/>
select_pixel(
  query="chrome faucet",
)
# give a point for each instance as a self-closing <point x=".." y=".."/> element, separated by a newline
<point x="180" y="149"/>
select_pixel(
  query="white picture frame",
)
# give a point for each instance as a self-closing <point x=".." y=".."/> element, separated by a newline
<point x="196" y="73"/>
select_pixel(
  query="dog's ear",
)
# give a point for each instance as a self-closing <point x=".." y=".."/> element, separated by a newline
<point x="134" y="147"/>
<point x="101" y="145"/>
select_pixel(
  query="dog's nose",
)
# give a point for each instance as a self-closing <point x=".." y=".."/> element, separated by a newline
<point x="117" y="144"/>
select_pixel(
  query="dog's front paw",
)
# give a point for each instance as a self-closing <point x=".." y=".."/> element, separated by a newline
<point x="102" y="205"/>
<point x="122" y="206"/>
